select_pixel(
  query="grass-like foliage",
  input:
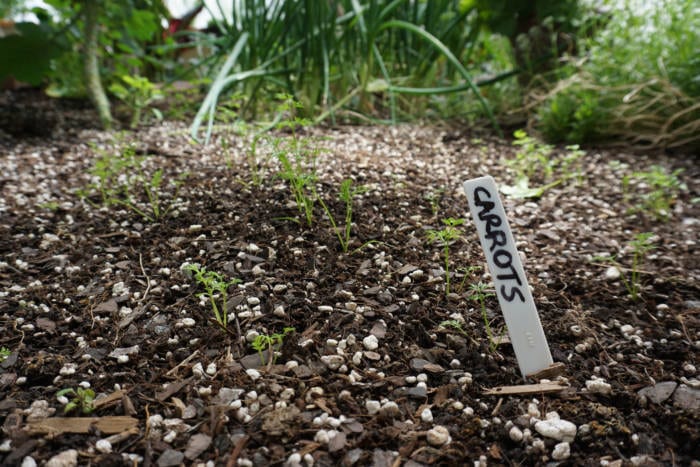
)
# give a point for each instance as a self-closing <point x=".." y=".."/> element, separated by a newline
<point x="637" y="80"/>
<point x="270" y="342"/>
<point x="335" y="56"/>
<point x="346" y="195"/>
<point x="446" y="235"/>
<point x="82" y="400"/>
<point x="479" y="292"/>
<point x="653" y="191"/>
<point x="216" y="287"/>
<point x="119" y="178"/>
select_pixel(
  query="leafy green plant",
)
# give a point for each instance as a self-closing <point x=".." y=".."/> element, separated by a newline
<point x="4" y="353"/>
<point x="640" y="245"/>
<point x="137" y="92"/>
<point x="661" y="190"/>
<point x="480" y="292"/>
<point x="535" y="158"/>
<point x="531" y="156"/>
<point x="632" y="86"/>
<point x="454" y="324"/>
<point x="215" y="285"/>
<point x="446" y="235"/>
<point x="269" y="342"/>
<point x="297" y="156"/>
<point x="346" y="195"/>
<point x="121" y="176"/>
<point x="83" y="400"/>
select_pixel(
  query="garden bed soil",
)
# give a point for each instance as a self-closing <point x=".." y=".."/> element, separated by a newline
<point x="95" y="296"/>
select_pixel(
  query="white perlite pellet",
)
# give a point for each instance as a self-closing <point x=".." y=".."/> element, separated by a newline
<point x="438" y="436"/>
<point x="598" y="386"/>
<point x="561" y="451"/>
<point x="515" y="434"/>
<point x="370" y="342"/>
<point x="561" y="430"/>
<point x="103" y="446"/>
<point x="426" y="415"/>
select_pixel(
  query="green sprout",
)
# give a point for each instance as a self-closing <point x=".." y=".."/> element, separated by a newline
<point x="83" y="400"/>
<point x="137" y="92"/>
<point x="480" y="292"/>
<point x="446" y="235"/>
<point x="120" y="177"/>
<point x="215" y="284"/>
<point x="4" y="353"/>
<point x="641" y="245"/>
<point x="347" y="193"/>
<point x="662" y="188"/>
<point x="268" y="342"/>
<point x="538" y="158"/>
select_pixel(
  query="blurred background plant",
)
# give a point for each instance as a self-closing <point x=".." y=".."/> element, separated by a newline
<point x="573" y="71"/>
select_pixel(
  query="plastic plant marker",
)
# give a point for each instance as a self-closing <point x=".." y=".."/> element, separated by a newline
<point x="514" y="296"/>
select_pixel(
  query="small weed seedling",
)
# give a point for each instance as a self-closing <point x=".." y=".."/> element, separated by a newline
<point x="4" y="353"/>
<point x="457" y="326"/>
<point x="269" y="342"/>
<point x="479" y="292"/>
<point x="531" y="156"/>
<point x="297" y="156"/>
<point x="640" y="245"/>
<point x="137" y="93"/>
<point x="446" y="235"/>
<point x="538" y="158"/>
<point x="120" y="176"/>
<point x="434" y="198"/>
<point x="346" y="195"/>
<point x="214" y="284"/>
<point x="83" y="400"/>
<point x="661" y="192"/>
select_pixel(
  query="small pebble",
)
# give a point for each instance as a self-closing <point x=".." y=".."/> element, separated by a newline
<point x="370" y="342"/>
<point x="516" y="434"/>
<point x="438" y="436"/>
<point x="103" y="446"/>
<point x="598" y="386"/>
<point x="561" y="451"/>
<point x="426" y="415"/>
<point x="561" y="430"/>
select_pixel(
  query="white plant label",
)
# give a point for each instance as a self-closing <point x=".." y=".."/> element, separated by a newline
<point x="518" y="307"/>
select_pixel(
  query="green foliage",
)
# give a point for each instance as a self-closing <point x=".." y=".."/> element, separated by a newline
<point x="137" y="92"/>
<point x="297" y="156"/>
<point x="371" y="58"/>
<point x="659" y="190"/>
<point x="640" y="245"/>
<point x="637" y="80"/>
<point x="268" y="342"/>
<point x="536" y="159"/>
<point x="121" y="176"/>
<point x="480" y="292"/>
<point x="456" y="325"/>
<point x="216" y="286"/>
<point x="573" y="115"/>
<point x="446" y="235"/>
<point x="31" y="40"/>
<point x="4" y="353"/>
<point x="346" y="195"/>
<point x="83" y="400"/>
<point x="532" y="157"/>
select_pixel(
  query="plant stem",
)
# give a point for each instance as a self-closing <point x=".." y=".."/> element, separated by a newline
<point x="93" y="83"/>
